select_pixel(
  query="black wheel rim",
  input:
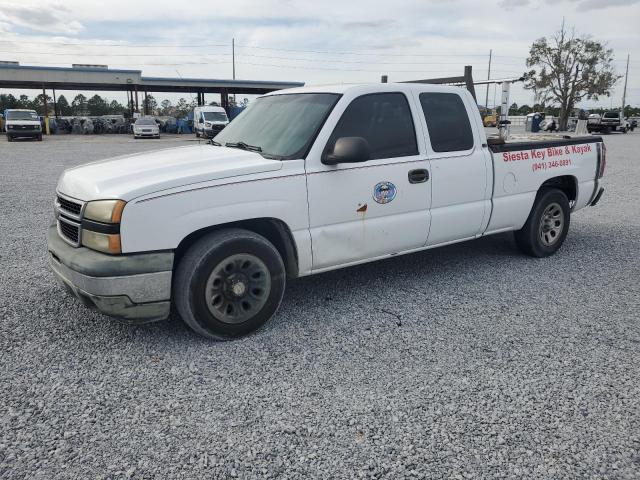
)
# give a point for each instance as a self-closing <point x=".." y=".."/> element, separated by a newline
<point x="237" y="288"/>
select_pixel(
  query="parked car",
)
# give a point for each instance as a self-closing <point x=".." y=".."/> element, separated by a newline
<point x="305" y="181"/>
<point x="23" y="123"/>
<point x="608" y="122"/>
<point x="209" y="120"/>
<point x="146" y="127"/>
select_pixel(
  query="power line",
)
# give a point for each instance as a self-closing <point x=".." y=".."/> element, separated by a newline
<point x="368" y="62"/>
<point x="325" y="52"/>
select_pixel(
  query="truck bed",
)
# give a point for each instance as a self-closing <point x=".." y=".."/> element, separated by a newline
<point x="535" y="141"/>
<point x="524" y="163"/>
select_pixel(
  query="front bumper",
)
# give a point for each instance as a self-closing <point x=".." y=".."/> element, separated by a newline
<point x="212" y="131"/>
<point x="135" y="288"/>
<point x="146" y="134"/>
<point x="26" y="132"/>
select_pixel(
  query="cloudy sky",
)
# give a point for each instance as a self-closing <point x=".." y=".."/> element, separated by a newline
<point x="316" y="42"/>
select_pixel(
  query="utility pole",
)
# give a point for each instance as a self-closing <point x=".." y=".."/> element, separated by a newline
<point x="624" y="92"/>
<point x="233" y="61"/>
<point x="486" y="99"/>
<point x="233" y="56"/>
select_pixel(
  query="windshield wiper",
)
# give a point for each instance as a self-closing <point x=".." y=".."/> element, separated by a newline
<point x="243" y="146"/>
<point x="213" y="142"/>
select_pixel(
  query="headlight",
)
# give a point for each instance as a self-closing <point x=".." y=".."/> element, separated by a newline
<point x="9" y="127"/>
<point x="103" y="238"/>
<point x="36" y="127"/>
<point x="105" y="211"/>
<point x="207" y="124"/>
<point x="103" y="242"/>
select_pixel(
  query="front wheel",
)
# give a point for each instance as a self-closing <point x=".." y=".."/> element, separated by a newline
<point x="229" y="283"/>
<point x="547" y="226"/>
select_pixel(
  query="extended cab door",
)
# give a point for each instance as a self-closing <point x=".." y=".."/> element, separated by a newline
<point x="378" y="207"/>
<point x="461" y="171"/>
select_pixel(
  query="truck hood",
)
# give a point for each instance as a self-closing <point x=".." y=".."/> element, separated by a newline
<point x="131" y="176"/>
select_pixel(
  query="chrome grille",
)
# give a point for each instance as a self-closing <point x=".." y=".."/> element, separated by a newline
<point x="69" y="206"/>
<point x="69" y="214"/>
<point x="69" y="230"/>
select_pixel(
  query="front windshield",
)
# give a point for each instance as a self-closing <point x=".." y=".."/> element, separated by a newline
<point x="145" y="121"/>
<point x="281" y="126"/>
<point x="18" y="115"/>
<point x="215" y="116"/>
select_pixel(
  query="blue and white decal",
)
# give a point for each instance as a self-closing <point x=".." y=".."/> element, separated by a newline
<point x="384" y="192"/>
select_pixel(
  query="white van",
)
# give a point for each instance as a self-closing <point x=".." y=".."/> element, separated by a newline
<point x="208" y="120"/>
<point x="23" y="123"/>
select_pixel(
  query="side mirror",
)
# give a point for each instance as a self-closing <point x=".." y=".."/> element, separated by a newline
<point x="348" y="150"/>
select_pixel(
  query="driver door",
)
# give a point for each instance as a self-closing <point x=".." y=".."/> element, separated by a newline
<point x="378" y="207"/>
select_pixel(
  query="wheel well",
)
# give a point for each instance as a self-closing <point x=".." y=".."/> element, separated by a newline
<point x="566" y="183"/>
<point x="274" y="230"/>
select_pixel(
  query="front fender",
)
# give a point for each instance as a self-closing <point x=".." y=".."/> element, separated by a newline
<point x="162" y="221"/>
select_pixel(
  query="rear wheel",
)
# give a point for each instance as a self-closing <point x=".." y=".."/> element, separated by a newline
<point x="547" y="226"/>
<point x="228" y="284"/>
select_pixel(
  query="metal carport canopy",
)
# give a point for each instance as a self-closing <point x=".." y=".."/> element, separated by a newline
<point x="157" y="84"/>
<point x="90" y="78"/>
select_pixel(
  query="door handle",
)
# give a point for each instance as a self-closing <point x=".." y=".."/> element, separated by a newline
<point x="419" y="175"/>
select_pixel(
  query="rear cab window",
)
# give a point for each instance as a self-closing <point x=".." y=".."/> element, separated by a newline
<point x="447" y="122"/>
<point x="384" y="120"/>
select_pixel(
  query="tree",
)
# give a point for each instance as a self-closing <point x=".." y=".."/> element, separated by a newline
<point x="79" y="105"/>
<point x="166" y="109"/>
<point x="569" y="69"/>
<point x="524" y="110"/>
<point x="97" y="105"/>
<point x="116" y="108"/>
<point x="63" y="106"/>
<point x="182" y="108"/>
<point x="7" y="101"/>
<point x="24" y="102"/>
<point x="39" y="104"/>
<point x="152" y="104"/>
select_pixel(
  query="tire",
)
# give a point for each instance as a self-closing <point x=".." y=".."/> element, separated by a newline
<point x="547" y="226"/>
<point x="624" y="130"/>
<point x="250" y="277"/>
<point x="197" y="134"/>
<point x="9" y="138"/>
<point x="39" y="138"/>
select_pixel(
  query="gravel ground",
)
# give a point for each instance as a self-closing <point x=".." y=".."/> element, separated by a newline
<point x="463" y="362"/>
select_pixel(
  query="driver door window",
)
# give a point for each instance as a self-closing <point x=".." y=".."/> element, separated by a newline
<point x="384" y="121"/>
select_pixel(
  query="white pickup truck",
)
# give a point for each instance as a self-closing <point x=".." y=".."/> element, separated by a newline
<point x="305" y="181"/>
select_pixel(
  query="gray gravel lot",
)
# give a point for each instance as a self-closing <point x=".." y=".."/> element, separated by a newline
<point x="470" y="361"/>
